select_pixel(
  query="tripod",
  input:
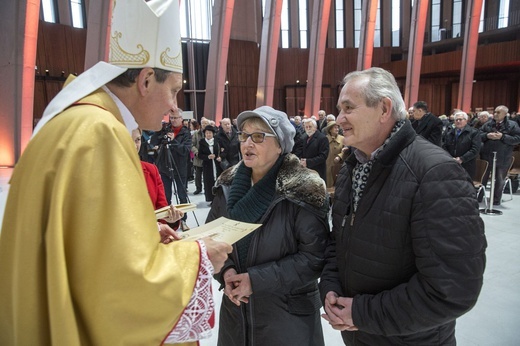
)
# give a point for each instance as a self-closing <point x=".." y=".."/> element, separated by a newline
<point x="175" y="178"/>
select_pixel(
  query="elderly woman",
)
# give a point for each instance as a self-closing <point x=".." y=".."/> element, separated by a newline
<point x="270" y="280"/>
<point x="335" y="158"/>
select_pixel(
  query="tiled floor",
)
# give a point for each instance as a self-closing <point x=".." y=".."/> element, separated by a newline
<point x="495" y="320"/>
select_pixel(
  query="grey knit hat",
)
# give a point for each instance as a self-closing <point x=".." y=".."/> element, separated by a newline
<point x="277" y="121"/>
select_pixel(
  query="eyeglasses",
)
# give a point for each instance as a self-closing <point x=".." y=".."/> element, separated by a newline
<point x="256" y="137"/>
<point x="175" y="118"/>
<point x="460" y="119"/>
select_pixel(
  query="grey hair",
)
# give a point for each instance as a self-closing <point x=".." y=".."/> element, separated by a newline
<point x="331" y="117"/>
<point x="464" y="114"/>
<point x="312" y="121"/>
<point x="504" y="108"/>
<point x="380" y="83"/>
<point x="485" y="113"/>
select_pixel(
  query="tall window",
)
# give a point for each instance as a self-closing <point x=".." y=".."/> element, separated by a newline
<point x="482" y="13"/>
<point x="396" y="23"/>
<point x="340" y="26"/>
<point x="457" y="19"/>
<point x="357" y="22"/>
<point x="377" y="30"/>
<point x="77" y="11"/>
<point x="302" y="18"/>
<point x="436" y="20"/>
<point x="503" y="14"/>
<point x="197" y="18"/>
<point x="285" y="24"/>
<point x="49" y="11"/>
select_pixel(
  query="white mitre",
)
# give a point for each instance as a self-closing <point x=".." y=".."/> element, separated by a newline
<point x="146" y="34"/>
<point x="143" y="34"/>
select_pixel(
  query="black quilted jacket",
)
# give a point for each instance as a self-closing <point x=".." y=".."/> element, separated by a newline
<point x="413" y="254"/>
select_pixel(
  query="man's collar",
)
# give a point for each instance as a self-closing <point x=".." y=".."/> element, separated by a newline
<point x="128" y="118"/>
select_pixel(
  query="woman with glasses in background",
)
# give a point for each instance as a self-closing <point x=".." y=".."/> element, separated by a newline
<point x="270" y="279"/>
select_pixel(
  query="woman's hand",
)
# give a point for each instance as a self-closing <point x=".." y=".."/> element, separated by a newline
<point x="211" y="156"/>
<point x="238" y="287"/>
<point x="174" y="214"/>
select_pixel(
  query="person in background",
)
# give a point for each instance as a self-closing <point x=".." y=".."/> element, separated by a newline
<point x="298" y="124"/>
<point x="409" y="115"/>
<point x="463" y="143"/>
<point x="81" y="258"/>
<point x="321" y="122"/>
<point x="151" y="176"/>
<point x="173" y="145"/>
<point x="228" y="143"/>
<point x="426" y="124"/>
<point x="335" y="148"/>
<point x="270" y="280"/>
<point x="155" y="188"/>
<point x="397" y="272"/>
<point x="498" y="135"/>
<point x="482" y="118"/>
<point x="197" y="161"/>
<point x="314" y="149"/>
<point x="209" y="153"/>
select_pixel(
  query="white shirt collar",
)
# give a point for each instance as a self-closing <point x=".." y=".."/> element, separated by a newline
<point x="128" y="118"/>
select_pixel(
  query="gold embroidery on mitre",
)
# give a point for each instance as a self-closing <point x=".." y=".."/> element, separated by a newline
<point x="172" y="62"/>
<point x="120" y="56"/>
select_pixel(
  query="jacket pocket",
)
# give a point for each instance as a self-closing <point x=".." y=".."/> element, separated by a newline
<point x="304" y="303"/>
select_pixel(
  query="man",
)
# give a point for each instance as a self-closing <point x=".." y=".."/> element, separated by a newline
<point x="81" y="260"/>
<point x="315" y="149"/>
<point x="397" y="272"/>
<point x="499" y="135"/>
<point x="410" y="114"/>
<point x="229" y="144"/>
<point x="298" y="124"/>
<point x="483" y="117"/>
<point x="463" y="143"/>
<point x="197" y="162"/>
<point x="173" y="145"/>
<point x="322" y="120"/>
<point x="426" y="124"/>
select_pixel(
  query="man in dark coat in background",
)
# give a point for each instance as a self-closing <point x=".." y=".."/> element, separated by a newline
<point x="173" y="145"/>
<point x="314" y="149"/>
<point x="426" y="124"/>
<point x="229" y="144"/>
<point x="396" y="271"/>
<point x="499" y="135"/>
<point x="463" y="143"/>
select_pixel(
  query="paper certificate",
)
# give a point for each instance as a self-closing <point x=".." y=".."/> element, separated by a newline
<point x="164" y="211"/>
<point x="221" y="229"/>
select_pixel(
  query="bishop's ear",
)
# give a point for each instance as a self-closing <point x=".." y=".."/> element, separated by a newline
<point x="144" y="80"/>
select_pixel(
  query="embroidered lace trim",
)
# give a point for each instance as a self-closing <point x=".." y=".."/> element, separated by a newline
<point x="197" y="319"/>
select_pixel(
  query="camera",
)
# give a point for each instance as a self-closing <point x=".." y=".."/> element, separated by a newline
<point x="166" y="128"/>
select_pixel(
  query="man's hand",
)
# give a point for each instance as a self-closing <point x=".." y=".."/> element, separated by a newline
<point x="339" y="312"/>
<point x="495" y="136"/>
<point x="218" y="252"/>
<point x="167" y="234"/>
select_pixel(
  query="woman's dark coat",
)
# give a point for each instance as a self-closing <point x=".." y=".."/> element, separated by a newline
<point x="284" y="262"/>
<point x="207" y="166"/>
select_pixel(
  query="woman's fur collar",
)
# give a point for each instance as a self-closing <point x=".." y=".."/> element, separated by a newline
<point x="293" y="182"/>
